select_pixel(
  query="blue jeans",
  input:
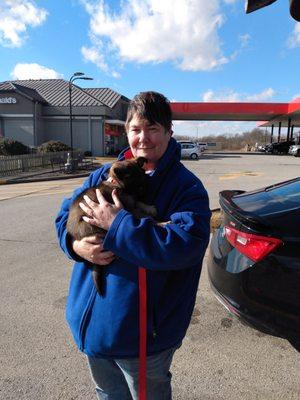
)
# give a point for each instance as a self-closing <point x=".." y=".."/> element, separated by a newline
<point x="117" y="379"/>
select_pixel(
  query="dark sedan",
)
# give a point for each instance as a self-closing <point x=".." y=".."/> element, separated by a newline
<point x="279" y="147"/>
<point x="254" y="262"/>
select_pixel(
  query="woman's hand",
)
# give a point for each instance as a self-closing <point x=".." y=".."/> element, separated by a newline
<point x="91" y="249"/>
<point x="101" y="214"/>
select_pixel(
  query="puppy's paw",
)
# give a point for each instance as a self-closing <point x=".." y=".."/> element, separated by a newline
<point x="146" y="209"/>
<point x="164" y="223"/>
<point x="152" y="211"/>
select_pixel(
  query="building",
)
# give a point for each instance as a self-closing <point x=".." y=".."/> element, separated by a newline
<point x="35" y="111"/>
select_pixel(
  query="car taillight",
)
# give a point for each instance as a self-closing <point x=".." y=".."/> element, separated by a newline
<point x="255" y="247"/>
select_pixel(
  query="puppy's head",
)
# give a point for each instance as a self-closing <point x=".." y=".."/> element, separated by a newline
<point x="130" y="176"/>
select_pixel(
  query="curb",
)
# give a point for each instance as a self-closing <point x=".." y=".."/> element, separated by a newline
<point x="45" y="179"/>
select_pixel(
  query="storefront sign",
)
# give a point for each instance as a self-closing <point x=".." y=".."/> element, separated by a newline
<point x="113" y="130"/>
<point x="8" y="100"/>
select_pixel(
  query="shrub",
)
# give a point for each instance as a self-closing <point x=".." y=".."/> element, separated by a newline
<point x="53" y="146"/>
<point x="11" y="147"/>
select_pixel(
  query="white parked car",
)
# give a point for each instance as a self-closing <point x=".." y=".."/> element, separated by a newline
<point x="190" y="150"/>
<point x="295" y="150"/>
<point x="202" y="145"/>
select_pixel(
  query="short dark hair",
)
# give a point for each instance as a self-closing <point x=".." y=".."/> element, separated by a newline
<point x="151" y="106"/>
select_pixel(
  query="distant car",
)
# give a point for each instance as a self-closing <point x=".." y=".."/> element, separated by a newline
<point x="190" y="150"/>
<point x="279" y="147"/>
<point x="254" y="260"/>
<point x="295" y="150"/>
<point x="203" y="146"/>
<point x="268" y="148"/>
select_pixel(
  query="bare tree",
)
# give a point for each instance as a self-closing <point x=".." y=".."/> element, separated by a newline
<point x="236" y="141"/>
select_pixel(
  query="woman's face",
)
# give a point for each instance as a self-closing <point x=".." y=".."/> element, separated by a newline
<point x="146" y="140"/>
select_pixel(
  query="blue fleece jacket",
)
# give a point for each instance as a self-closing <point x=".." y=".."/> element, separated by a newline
<point x="108" y="325"/>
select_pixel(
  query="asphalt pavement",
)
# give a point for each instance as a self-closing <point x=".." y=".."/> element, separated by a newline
<point x="220" y="358"/>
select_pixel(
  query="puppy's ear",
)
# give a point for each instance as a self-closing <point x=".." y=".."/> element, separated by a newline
<point x="141" y="161"/>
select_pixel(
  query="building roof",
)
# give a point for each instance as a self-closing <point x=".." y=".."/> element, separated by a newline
<point x="6" y="86"/>
<point x="31" y="93"/>
<point x="108" y="96"/>
<point x="27" y="92"/>
<point x="55" y="92"/>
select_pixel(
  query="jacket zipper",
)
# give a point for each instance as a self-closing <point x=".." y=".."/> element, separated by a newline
<point x="154" y="324"/>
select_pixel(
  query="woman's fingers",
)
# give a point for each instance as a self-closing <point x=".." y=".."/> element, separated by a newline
<point x="91" y="252"/>
<point x="103" y="258"/>
<point x="101" y="214"/>
<point x="100" y="197"/>
<point x="116" y="199"/>
<point x="86" y="209"/>
<point x="95" y="239"/>
<point x="90" y="221"/>
<point x="89" y="201"/>
<point x="103" y="261"/>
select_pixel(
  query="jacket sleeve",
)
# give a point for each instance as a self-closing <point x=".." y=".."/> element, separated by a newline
<point x="177" y="245"/>
<point x="62" y="217"/>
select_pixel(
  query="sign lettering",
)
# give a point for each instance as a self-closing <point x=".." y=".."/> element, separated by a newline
<point x="8" y="100"/>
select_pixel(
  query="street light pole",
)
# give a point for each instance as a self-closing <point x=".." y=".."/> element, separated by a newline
<point x="71" y="116"/>
<point x="74" y="77"/>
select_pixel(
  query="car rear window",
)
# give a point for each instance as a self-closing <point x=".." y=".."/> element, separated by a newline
<point x="272" y="200"/>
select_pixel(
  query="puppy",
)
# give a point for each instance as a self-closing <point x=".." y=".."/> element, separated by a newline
<point x="130" y="180"/>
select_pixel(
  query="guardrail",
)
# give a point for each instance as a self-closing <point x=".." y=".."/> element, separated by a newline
<point x="11" y="165"/>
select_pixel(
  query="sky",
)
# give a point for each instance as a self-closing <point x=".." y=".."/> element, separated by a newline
<point x="189" y="50"/>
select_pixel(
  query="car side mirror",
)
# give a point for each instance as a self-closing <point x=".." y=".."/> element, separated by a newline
<point x="295" y="9"/>
<point x="253" y="5"/>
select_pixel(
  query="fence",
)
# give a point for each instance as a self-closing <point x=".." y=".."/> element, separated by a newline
<point x="11" y="165"/>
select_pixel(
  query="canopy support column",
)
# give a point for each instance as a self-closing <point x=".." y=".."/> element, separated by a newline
<point x="279" y="131"/>
<point x="288" y="130"/>
<point x="272" y="132"/>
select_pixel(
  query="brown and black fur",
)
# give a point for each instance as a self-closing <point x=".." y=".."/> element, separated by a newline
<point x="130" y="180"/>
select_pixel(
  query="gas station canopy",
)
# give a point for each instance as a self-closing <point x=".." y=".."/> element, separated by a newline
<point x="265" y="114"/>
<point x="292" y="116"/>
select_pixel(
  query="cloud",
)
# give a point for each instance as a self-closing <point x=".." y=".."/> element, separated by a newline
<point x="294" y="39"/>
<point x="244" y="39"/>
<point x="184" y="32"/>
<point x="33" y="71"/>
<point x="15" y="18"/>
<point x="226" y="96"/>
<point x="93" y="55"/>
<point x="232" y="96"/>
<point x="265" y="95"/>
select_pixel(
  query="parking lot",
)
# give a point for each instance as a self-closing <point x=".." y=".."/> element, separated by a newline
<point x="219" y="359"/>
